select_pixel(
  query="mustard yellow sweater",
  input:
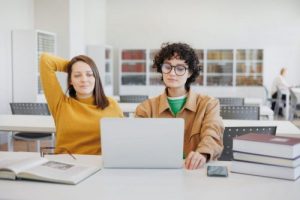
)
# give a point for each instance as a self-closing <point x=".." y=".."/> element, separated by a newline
<point x="77" y="121"/>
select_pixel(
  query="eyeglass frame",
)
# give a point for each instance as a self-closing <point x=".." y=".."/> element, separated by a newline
<point x="42" y="153"/>
<point x="175" y="67"/>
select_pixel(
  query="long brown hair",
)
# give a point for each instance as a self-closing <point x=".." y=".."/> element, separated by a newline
<point x="100" y="99"/>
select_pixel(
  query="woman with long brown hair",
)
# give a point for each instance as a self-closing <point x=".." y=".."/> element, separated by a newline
<point x="76" y="114"/>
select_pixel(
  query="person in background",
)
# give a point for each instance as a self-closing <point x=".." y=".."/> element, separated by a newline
<point x="203" y="136"/>
<point x="77" y="114"/>
<point x="279" y="83"/>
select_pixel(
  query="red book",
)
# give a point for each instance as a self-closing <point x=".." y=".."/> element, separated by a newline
<point x="269" y="145"/>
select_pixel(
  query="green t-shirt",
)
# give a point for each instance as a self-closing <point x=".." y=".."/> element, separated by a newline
<point x="176" y="103"/>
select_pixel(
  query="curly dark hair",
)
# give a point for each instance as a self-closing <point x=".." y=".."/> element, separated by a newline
<point x="181" y="51"/>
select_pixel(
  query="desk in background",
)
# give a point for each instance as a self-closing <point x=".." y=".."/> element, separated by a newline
<point x="287" y="100"/>
<point x="284" y="128"/>
<point x="30" y="123"/>
<point x="253" y="101"/>
<point x="36" y="123"/>
<point x="265" y="111"/>
<point x="128" y="107"/>
<point x="23" y="123"/>
<point x="146" y="184"/>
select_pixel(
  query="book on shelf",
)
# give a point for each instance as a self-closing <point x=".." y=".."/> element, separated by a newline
<point x="42" y="169"/>
<point x="258" y="169"/>
<point x="248" y="157"/>
<point x="268" y="145"/>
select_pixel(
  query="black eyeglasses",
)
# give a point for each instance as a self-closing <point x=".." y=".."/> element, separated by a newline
<point x="43" y="151"/>
<point x="179" y="69"/>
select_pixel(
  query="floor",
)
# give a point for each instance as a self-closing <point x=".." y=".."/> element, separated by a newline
<point x="30" y="146"/>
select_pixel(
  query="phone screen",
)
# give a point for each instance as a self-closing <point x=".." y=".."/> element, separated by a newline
<point x="217" y="171"/>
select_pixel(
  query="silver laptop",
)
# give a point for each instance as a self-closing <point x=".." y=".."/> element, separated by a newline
<point x="142" y="142"/>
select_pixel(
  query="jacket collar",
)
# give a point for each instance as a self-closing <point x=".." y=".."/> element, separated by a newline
<point x="191" y="102"/>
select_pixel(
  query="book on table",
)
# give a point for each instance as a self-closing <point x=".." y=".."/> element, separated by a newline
<point x="268" y="145"/>
<point x="42" y="169"/>
<point x="266" y="155"/>
<point x="258" y="169"/>
<point x="271" y="160"/>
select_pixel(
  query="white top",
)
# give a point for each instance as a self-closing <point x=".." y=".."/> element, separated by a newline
<point x="280" y="83"/>
<point x="136" y="184"/>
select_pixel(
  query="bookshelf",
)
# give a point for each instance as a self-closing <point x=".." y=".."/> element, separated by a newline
<point x="133" y="67"/>
<point x="249" y="67"/>
<point x="103" y="57"/>
<point x="220" y="68"/>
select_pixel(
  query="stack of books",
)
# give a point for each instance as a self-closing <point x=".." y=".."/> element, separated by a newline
<point x="266" y="155"/>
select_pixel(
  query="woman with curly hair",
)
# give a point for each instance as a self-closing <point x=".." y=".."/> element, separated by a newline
<point x="203" y="136"/>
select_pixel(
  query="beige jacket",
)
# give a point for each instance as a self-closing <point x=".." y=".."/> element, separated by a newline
<point x="203" y="124"/>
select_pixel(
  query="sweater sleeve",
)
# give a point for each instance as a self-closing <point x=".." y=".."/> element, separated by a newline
<point x="212" y="131"/>
<point x="52" y="89"/>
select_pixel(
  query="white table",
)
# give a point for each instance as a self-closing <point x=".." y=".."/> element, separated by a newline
<point x="253" y="101"/>
<point x="284" y="128"/>
<point x="137" y="184"/>
<point x="297" y="92"/>
<point x="128" y="107"/>
<point x="31" y="123"/>
<point x="37" y="123"/>
<point x="287" y="101"/>
<point x="265" y="111"/>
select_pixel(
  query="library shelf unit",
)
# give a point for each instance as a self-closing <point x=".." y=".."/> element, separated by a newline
<point x="219" y="68"/>
<point x="103" y="57"/>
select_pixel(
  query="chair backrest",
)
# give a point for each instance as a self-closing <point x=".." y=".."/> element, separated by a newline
<point x="293" y="104"/>
<point x="231" y="101"/>
<point x="240" y="112"/>
<point x="133" y="98"/>
<point x="29" y="109"/>
<point x="294" y="98"/>
<point x="268" y="99"/>
<point x="231" y="132"/>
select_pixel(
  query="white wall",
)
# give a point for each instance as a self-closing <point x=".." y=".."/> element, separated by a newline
<point x="5" y="72"/>
<point x="77" y="27"/>
<point x="53" y="16"/>
<point x="17" y="14"/>
<point x="95" y="22"/>
<point x="77" y="23"/>
<point x="273" y="25"/>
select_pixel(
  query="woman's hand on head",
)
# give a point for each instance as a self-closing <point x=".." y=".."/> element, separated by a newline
<point x="195" y="160"/>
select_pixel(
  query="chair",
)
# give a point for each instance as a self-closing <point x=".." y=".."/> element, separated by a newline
<point x="31" y="109"/>
<point x="240" y="112"/>
<point x="268" y="99"/>
<point x="231" y="132"/>
<point x="231" y="101"/>
<point x="293" y="105"/>
<point x="133" y="98"/>
<point x="279" y="103"/>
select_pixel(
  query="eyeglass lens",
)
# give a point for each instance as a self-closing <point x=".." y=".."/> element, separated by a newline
<point x="179" y="69"/>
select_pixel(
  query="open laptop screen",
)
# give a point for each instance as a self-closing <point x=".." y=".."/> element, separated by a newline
<point x="142" y="142"/>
